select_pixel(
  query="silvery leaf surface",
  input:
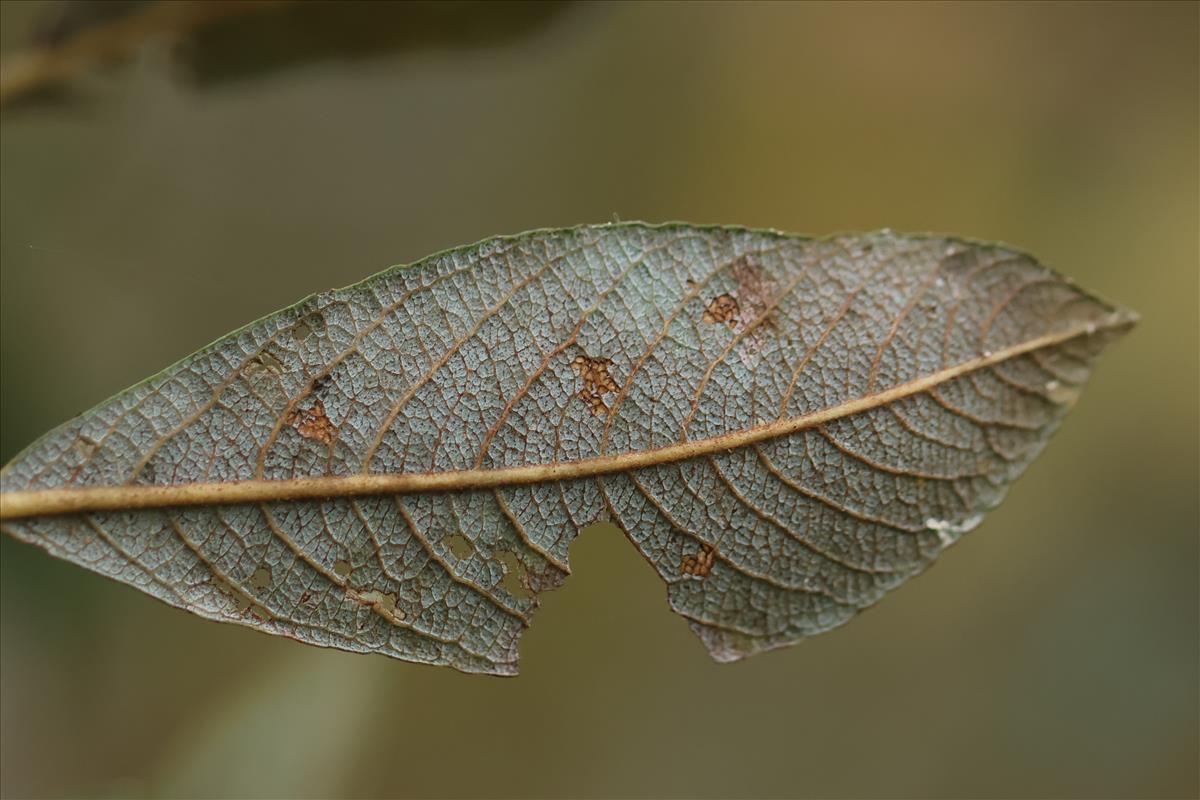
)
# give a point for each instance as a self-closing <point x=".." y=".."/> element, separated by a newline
<point x="785" y="428"/>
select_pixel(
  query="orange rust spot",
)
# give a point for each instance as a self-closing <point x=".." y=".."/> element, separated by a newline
<point x="594" y="402"/>
<point x="594" y="372"/>
<point x="596" y="382"/>
<point x="311" y="423"/>
<point x="700" y="564"/>
<point x="723" y="309"/>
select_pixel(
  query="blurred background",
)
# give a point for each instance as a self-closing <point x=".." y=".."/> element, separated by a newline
<point x="170" y="172"/>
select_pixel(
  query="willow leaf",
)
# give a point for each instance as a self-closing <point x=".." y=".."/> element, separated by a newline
<point x="785" y="428"/>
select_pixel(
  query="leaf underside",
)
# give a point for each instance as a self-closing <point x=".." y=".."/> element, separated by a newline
<point x="568" y="345"/>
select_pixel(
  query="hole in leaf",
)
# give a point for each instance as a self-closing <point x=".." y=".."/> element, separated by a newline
<point x="261" y="579"/>
<point x="460" y="545"/>
<point x="515" y="580"/>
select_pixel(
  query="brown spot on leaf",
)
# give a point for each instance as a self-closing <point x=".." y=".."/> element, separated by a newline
<point x="84" y="446"/>
<point x="756" y="290"/>
<point x="594" y="402"/>
<point x="342" y="568"/>
<point x="311" y="423"/>
<point x="594" y="372"/>
<point x="723" y="309"/>
<point x="700" y="564"/>
<point x="756" y="293"/>
<point x="597" y="382"/>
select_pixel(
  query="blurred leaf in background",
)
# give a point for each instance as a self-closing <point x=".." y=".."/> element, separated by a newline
<point x="158" y="205"/>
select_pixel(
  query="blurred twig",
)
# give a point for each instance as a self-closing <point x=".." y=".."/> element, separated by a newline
<point x="47" y="64"/>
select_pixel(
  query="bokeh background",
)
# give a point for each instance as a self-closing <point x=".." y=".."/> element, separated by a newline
<point x="226" y="170"/>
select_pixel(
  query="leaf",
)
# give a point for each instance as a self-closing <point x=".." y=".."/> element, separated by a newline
<point x="785" y="428"/>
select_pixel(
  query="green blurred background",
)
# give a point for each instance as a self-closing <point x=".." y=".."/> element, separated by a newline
<point x="153" y="205"/>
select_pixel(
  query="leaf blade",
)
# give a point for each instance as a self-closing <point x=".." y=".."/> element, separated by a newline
<point x="692" y="335"/>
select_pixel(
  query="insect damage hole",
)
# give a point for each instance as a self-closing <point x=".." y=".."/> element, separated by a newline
<point x="597" y="382"/>
<point x="307" y="326"/>
<point x="261" y="579"/>
<point x="263" y="363"/>
<point x="382" y="602"/>
<point x="460" y="545"/>
<point x="516" y="578"/>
